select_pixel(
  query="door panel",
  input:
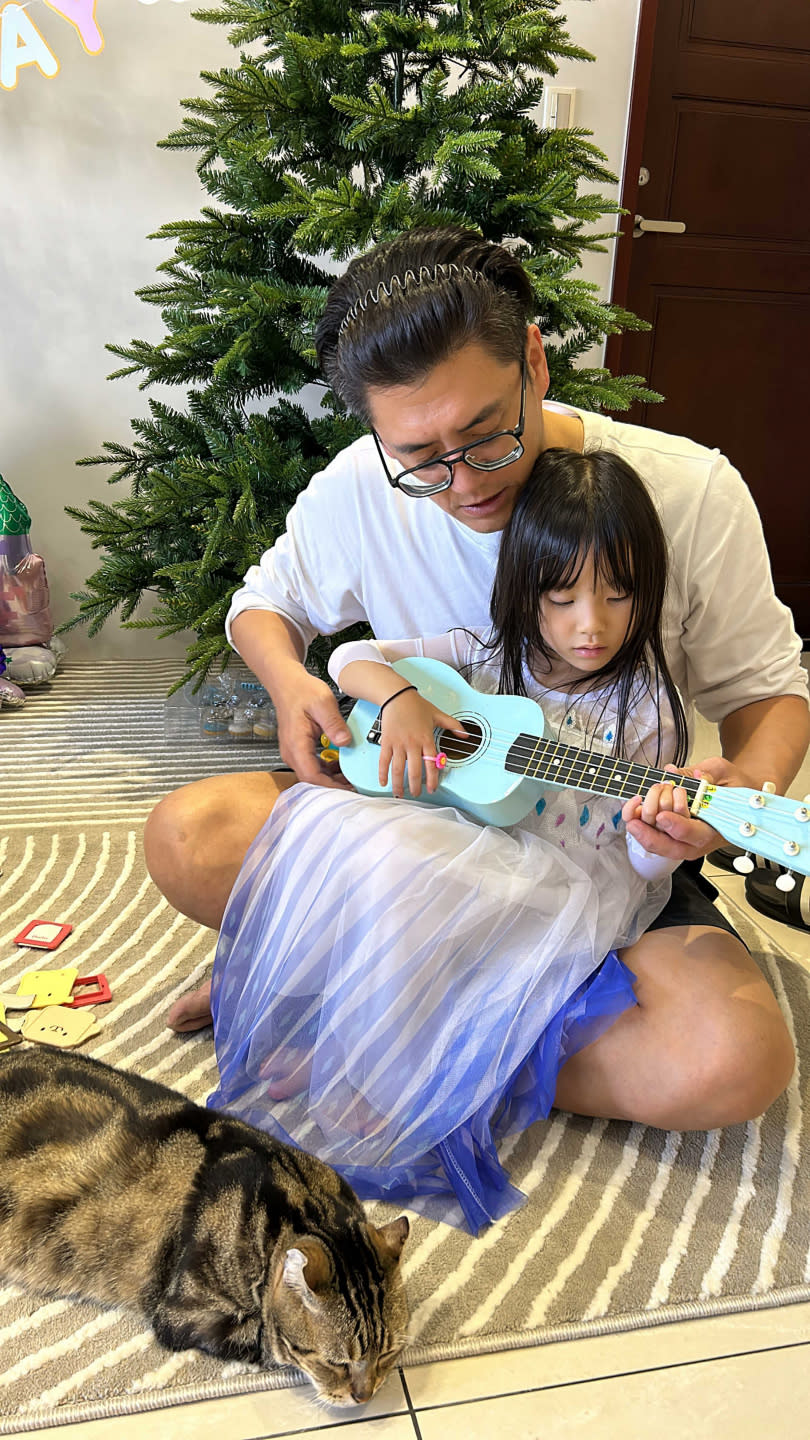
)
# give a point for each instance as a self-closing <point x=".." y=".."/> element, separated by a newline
<point x="779" y="23"/>
<point x="733" y="172"/>
<point x="726" y="141"/>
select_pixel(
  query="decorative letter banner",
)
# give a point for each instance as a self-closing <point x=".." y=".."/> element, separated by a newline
<point x="22" y="44"/>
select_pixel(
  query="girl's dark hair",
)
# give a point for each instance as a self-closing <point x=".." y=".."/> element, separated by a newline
<point x="573" y="506"/>
<point x="409" y="303"/>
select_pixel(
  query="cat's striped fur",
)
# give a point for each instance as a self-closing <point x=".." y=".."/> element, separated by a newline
<point x="119" y="1190"/>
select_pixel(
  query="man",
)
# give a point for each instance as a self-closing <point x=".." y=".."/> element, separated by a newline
<point x="429" y="339"/>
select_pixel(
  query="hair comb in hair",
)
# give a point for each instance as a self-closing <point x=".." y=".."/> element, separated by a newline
<point x="426" y="274"/>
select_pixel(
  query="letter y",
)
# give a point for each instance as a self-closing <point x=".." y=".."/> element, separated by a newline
<point x="81" y="14"/>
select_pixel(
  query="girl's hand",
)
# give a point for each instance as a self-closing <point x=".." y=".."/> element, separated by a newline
<point x="661" y="822"/>
<point x="661" y="799"/>
<point x="408" y="726"/>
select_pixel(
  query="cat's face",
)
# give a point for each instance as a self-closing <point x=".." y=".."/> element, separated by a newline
<point x="345" y="1330"/>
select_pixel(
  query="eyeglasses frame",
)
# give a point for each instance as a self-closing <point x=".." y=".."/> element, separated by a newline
<point x="451" y="458"/>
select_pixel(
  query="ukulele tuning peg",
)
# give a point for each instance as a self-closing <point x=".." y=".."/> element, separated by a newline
<point x="769" y="788"/>
<point x="785" y="881"/>
<point x="744" y="864"/>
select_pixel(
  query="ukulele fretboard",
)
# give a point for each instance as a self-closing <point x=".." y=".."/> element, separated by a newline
<point x="585" y="769"/>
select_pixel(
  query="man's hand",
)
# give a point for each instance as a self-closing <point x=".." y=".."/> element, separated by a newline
<point x="660" y="820"/>
<point x="305" y="714"/>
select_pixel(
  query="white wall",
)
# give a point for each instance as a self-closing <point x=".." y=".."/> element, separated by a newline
<point x="82" y="187"/>
<point x="607" y="28"/>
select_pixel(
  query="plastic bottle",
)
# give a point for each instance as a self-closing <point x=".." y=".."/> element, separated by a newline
<point x="240" y="727"/>
<point x="265" y="725"/>
<point x="216" y="711"/>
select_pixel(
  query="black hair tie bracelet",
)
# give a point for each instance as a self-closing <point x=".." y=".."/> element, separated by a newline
<point x="394" y="696"/>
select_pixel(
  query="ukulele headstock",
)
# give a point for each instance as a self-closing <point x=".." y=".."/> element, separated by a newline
<point x="773" y="826"/>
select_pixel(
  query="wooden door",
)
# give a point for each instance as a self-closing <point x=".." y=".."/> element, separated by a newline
<point x="720" y="121"/>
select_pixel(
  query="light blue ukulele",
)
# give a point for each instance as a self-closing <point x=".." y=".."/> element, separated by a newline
<point x="499" y="773"/>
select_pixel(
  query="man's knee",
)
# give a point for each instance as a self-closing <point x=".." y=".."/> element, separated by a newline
<point x="169" y="834"/>
<point x="190" y="852"/>
<point x="742" y="1061"/>
<point x="724" y="1050"/>
<point x="196" y="839"/>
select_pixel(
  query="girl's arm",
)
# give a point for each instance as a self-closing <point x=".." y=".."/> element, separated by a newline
<point x="649" y="867"/>
<point x="363" y="668"/>
<point x="650" y="739"/>
<point x="450" y="648"/>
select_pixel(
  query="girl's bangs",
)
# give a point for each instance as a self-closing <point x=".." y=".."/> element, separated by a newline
<point x="561" y="566"/>
<point x="613" y="562"/>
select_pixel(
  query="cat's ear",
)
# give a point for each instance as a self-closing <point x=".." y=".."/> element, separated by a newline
<point x="389" y="1239"/>
<point x="310" y="1256"/>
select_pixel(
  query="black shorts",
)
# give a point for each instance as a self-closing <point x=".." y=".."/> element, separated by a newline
<point x="692" y="901"/>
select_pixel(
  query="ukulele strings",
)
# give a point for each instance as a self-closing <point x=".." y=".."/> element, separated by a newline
<point x="721" y="806"/>
<point x="546" y="752"/>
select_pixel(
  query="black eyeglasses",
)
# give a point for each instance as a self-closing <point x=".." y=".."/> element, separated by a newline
<point x="492" y="452"/>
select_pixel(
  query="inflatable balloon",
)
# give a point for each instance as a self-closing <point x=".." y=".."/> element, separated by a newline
<point x="26" y="628"/>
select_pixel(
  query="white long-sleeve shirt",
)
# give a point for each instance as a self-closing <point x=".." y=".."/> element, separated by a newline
<point x="584" y="721"/>
<point x="355" y="549"/>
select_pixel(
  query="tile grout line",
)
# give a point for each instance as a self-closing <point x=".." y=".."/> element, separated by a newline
<point x="332" y="1425"/>
<point x="598" y="1379"/>
<point x="409" y="1403"/>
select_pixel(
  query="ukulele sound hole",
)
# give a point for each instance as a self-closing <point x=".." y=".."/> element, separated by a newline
<point x="461" y="748"/>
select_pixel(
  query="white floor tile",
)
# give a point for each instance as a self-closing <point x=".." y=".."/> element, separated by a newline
<point x="390" y="1427"/>
<point x="747" y="1397"/>
<point x="394" y="1427"/>
<point x="251" y="1417"/>
<point x="604" y="1356"/>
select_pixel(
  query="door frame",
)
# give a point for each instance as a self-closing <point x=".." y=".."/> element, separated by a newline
<point x="637" y="120"/>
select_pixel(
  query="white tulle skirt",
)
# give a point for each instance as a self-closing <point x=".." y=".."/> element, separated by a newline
<point x="397" y="986"/>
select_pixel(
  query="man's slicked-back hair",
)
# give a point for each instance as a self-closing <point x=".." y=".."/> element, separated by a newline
<point x="410" y="303"/>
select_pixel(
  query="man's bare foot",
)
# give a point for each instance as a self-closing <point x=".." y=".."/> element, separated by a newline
<point x="192" y="1011"/>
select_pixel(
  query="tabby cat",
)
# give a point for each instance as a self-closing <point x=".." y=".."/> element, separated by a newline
<point x="225" y="1239"/>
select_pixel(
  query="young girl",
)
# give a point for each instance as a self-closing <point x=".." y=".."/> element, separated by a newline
<point x="397" y="986"/>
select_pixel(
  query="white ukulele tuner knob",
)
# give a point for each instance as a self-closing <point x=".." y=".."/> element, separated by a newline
<point x="786" y="881"/>
<point x="743" y="864"/>
<point x="769" y="787"/>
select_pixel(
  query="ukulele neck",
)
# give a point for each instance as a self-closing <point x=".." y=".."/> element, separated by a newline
<point x="565" y="765"/>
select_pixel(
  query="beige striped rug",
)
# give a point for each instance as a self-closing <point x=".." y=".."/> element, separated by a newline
<point x="623" y="1227"/>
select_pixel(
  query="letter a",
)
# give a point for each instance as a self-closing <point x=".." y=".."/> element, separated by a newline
<point x="21" y="44"/>
<point x="81" y="14"/>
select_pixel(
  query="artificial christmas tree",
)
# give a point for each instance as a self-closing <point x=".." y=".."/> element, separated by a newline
<point x="341" y="126"/>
